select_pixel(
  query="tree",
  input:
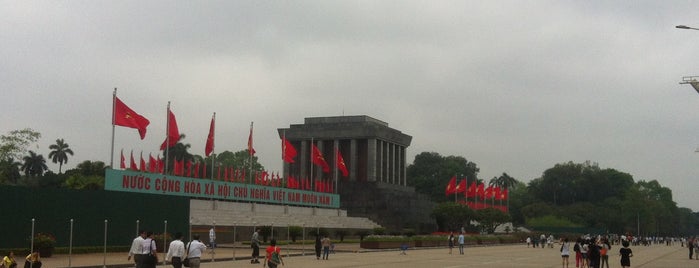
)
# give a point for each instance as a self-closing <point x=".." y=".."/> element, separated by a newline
<point x="59" y="153"/>
<point x="240" y="160"/>
<point x="9" y="170"/>
<point x="15" y="143"/>
<point x="34" y="165"/>
<point x="504" y="181"/>
<point x="430" y="173"/>
<point x="452" y="216"/>
<point x="489" y="218"/>
<point x="178" y="152"/>
<point x="88" y="168"/>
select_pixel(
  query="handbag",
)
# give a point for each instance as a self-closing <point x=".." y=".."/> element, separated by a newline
<point x="150" y="259"/>
<point x="185" y="261"/>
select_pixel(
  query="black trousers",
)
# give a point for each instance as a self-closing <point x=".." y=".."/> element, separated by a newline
<point x="177" y="262"/>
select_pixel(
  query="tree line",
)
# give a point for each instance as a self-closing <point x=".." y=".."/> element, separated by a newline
<point x="566" y="195"/>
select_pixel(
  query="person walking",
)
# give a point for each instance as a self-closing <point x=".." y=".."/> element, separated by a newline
<point x="136" y="250"/>
<point x="462" y="240"/>
<point x="255" y="244"/>
<point x="451" y="242"/>
<point x="605" y="247"/>
<point x="150" y="251"/>
<point x="690" y="246"/>
<point x="578" y="253"/>
<point x="565" y="252"/>
<point x="194" y="250"/>
<point x="175" y="252"/>
<point x="33" y="260"/>
<point x="274" y="255"/>
<point x="326" y="247"/>
<point x="9" y="260"/>
<point x="626" y="254"/>
<point x="318" y="247"/>
<point x="212" y="237"/>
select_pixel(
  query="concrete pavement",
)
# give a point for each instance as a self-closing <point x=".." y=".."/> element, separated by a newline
<point x="350" y="255"/>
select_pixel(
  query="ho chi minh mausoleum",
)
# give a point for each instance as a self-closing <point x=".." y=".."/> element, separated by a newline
<point x="375" y="157"/>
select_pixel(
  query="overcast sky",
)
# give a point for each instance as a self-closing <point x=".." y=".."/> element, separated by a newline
<point x="513" y="86"/>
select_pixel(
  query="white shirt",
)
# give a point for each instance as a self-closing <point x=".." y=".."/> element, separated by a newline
<point x="136" y="246"/>
<point x="148" y="246"/>
<point x="196" y="248"/>
<point x="212" y="235"/>
<point x="176" y="250"/>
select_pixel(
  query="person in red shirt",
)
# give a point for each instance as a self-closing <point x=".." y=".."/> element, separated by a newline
<point x="274" y="255"/>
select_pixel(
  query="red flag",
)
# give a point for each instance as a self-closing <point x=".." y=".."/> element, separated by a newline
<point x="451" y="186"/>
<point x="504" y="194"/>
<point x="341" y="164"/>
<point x="318" y="159"/>
<point x="225" y="174"/>
<point x="471" y="190"/>
<point x="152" y="164"/>
<point x="496" y="193"/>
<point x="203" y="176"/>
<point x="251" y="150"/>
<point x="143" y="164"/>
<point x="288" y="151"/>
<point x="480" y="190"/>
<point x="122" y="164"/>
<point x="125" y="117"/>
<point x="210" y="139"/>
<point x="134" y="166"/>
<point x="161" y="165"/>
<point x="291" y="183"/>
<point x="461" y="187"/>
<point x="173" y="133"/>
<point x="488" y="192"/>
<point x="196" y="170"/>
<point x="189" y="168"/>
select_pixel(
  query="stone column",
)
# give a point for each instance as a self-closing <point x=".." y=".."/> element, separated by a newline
<point x="353" y="160"/>
<point x="371" y="160"/>
<point x="394" y="161"/>
<point x="379" y="160"/>
<point x="304" y="159"/>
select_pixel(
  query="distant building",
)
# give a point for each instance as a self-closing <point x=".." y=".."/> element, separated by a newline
<point x="375" y="155"/>
<point x="371" y="150"/>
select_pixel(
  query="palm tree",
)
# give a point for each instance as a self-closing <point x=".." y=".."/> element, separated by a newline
<point x="59" y="153"/>
<point x="504" y="181"/>
<point x="34" y="165"/>
<point x="179" y="152"/>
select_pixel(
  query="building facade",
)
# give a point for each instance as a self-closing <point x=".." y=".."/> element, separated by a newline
<point x="371" y="150"/>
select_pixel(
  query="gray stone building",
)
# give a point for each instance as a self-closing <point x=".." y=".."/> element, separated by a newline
<point x="375" y="156"/>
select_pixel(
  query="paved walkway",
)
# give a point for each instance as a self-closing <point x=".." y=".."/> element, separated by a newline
<point x="350" y="255"/>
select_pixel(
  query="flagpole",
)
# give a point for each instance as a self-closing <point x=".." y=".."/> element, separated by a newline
<point x="456" y="194"/>
<point x="111" y="153"/>
<point x="213" y="150"/>
<point x="311" y="163"/>
<point x="167" y="137"/>
<point x="337" y="150"/>
<point x="250" y="151"/>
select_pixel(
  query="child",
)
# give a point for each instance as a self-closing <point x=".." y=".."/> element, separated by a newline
<point x="626" y="255"/>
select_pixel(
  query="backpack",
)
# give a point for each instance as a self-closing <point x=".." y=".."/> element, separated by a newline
<point x="576" y="248"/>
<point x="275" y="257"/>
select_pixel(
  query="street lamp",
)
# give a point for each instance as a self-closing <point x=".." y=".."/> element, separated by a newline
<point x="685" y="27"/>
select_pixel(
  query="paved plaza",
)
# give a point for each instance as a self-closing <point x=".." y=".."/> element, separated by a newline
<point x="350" y="255"/>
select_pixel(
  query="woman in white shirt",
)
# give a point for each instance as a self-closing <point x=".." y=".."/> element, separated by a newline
<point x="565" y="252"/>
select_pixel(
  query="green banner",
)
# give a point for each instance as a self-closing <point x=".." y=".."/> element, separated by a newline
<point x="151" y="183"/>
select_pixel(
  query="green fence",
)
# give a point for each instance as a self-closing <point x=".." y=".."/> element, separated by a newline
<point x="53" y="209"/>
